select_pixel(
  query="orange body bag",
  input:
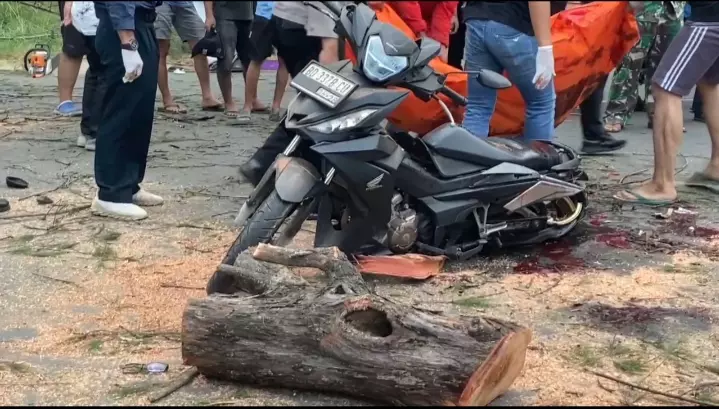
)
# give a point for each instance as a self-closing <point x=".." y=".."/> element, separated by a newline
<point x="589" y="41"/>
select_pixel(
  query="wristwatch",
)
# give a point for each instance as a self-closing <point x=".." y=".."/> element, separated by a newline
<point x="131" y="46"/>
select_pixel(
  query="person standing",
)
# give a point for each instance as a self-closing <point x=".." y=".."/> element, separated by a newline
<point x="305" y="34"/>
<point x="130" y="59"/>
<point x="659" y="22"/>
<point x="697" y="106"/>
<point x="595" y="139"/>
<point x="263" y="37"/>
<point x="512" y="36"/>
<point x="233" y="22"/>
<point x="691" y="59"/>
<point x="456" y="39"/>
<point x="80" y="20"/>
<point x="432" y="19"/>
<point x="74" y="48"/>
<point x="189" y="26"/>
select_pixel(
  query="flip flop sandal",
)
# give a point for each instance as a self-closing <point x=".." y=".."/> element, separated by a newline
<point x="275" y="116"/>
<point x="260" y="110"/>
<point x="214" y="108"/>
<point x="700" y="180"/>
<point x="232" y="114"/>
<point x="641" y="200"/>
<point x="173" y="109"/>
<point x="16" y="183"/>
<point x="244" y="117"/>
<point x="4" y="205"/>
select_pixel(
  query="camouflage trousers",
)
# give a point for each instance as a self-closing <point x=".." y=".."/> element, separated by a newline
<point x="655" y="38"/>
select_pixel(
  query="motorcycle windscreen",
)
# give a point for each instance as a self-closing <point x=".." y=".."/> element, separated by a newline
<point x="589" y="42"/>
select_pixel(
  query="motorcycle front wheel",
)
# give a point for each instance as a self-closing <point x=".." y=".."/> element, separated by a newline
<point x="274" y="222"/>
<point x="262" y="226"/>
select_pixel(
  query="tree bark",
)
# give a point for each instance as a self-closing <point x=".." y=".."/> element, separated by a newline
<point x="277" y="330"/>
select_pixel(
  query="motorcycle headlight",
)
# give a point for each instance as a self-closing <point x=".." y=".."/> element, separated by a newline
<point x="378" y="66"/>
<point x="344" y="122"/>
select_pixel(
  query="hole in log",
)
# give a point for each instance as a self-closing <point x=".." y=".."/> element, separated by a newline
<point x="370" y="321"/>
<point x="340" y="290"/>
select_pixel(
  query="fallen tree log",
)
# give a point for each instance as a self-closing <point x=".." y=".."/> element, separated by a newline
<point x="277" y="330"/>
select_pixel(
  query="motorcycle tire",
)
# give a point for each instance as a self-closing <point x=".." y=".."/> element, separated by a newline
<point x="261" y="227"/>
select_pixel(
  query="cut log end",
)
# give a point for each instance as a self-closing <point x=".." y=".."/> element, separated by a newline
<point x="498" y="371"/>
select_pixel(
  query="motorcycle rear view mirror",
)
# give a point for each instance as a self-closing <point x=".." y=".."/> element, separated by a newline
<point x="493" y="80"/>
<point x="428" y="49"/>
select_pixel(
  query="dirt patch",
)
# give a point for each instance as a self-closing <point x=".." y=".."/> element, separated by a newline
<point x="141" y="304"/>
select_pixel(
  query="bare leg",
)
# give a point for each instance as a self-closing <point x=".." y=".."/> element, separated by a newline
<point x="281" y="81"/>
<point x="252" y="78"/>
<point x="67" y="74"/>
<point x="224" y="79"/>
<point x="202" y="69"/>
<point x="162" y="80"/>
<point x="667" y="135"/>
<point x="710" y="97"/>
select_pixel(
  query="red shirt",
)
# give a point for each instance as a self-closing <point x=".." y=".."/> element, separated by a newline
<point x="434" y="18"/>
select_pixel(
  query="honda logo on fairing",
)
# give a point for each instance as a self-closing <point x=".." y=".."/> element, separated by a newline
<point x="375" y="183"/>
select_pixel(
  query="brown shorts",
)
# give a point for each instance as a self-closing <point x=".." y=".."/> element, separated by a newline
<point x="692" y="57"/>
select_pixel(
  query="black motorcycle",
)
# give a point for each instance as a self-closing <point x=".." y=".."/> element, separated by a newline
<point x="448" y="193"/>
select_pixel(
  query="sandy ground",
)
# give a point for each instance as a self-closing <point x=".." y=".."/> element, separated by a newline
<point x="628" y="294"/>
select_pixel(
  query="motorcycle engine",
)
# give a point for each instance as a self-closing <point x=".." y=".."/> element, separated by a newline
<point x="402" y="226"/>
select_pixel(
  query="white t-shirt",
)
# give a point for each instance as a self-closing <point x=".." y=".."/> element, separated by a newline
<point x="316" y="24"/>
<point x="84" y="18"/>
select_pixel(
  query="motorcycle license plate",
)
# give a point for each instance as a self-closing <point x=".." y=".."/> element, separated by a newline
<point x="323" y="85"/>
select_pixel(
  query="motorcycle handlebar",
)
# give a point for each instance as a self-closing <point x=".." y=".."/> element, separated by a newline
<point x="456" y="97"/>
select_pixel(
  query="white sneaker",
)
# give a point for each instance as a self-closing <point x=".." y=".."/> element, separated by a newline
<point x="81" y="141"/>
<point x="145" y="198"/>
<point x="123" y="211"/>
<point x="90" y="144"/>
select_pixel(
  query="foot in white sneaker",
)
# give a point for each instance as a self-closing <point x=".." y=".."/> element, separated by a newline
<point x="123" y="211"/>
<point x="81" y="140"/>
<point x="91" y="144"/>
<point x="145" y="198"/>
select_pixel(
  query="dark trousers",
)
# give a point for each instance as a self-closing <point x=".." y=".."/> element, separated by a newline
<point x="296" y="49"/>
<point x="591" y="110"/>
<point x="456" y="42"/>
<point x="697" y="105"/>
<point x="93" y="92"/>
<point x="127" y="112"/>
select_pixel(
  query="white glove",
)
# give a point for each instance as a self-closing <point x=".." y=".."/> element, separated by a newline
<point x="133" y="65"/>
<point x="545" y="67"/>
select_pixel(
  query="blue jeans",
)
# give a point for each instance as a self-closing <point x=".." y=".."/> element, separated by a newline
<point x="494" y="46"/>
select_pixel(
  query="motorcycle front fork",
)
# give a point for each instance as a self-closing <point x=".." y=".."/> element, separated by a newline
<point x="293" y="146"/>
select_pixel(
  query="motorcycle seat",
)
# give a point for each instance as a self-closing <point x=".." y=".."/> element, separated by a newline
<point x="455" y="142"/>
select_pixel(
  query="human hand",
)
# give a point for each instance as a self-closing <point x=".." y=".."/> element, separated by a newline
<point x="443" y="53"/>
<point x="455" y="24"/>
<point x="133" y="65"/>
<point x="544" y="67"/>
<point x="210" y="22"/>
<point x="67" y="14"/>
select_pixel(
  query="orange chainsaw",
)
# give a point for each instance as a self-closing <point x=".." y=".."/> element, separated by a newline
<point x="38" y="62"/>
